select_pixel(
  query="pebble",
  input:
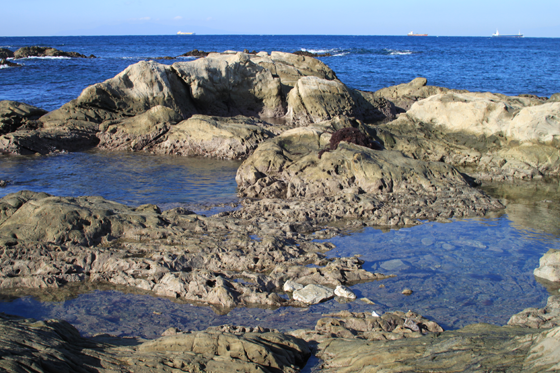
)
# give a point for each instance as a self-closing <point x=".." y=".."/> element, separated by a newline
<point x="367" y="301"/>
<point x="407" y="291"/>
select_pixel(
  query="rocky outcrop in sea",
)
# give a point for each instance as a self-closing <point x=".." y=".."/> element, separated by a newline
<point x="317" y="155"/>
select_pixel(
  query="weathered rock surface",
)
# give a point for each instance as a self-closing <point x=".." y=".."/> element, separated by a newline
<point x="492" y="137"/>
<point x="289" y="165"/>
<point x="549" y="266"/>
<point x="55" y="346"/>
<point x="25" y="52"/>
<point x="47" y="242"/>
<point x="14" y="115"/>
<point x="390" y="343"/>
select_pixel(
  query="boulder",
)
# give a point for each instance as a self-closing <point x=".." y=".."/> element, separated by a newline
<point x="289" y="165"/>
<point x="231" y="84"/>
<point x="139" y="88"/>
<point x="14" y="115"/>
<point x="47" y="141"/>
<point x="210" y="136"/>
<point x="549" y="266"/>
<point x="312" y="294"/>
<point x="6" y="53"/>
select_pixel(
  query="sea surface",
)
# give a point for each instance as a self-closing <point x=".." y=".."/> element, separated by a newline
<point x="463" y="271"/>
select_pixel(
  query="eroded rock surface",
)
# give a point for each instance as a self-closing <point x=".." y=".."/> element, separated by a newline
<point x="55" y="346"/>
<point x="14" y="115"/>
<point x="47" y="242"/>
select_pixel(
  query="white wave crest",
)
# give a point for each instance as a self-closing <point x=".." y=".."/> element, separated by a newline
<point x="5" y="67"/>
<point x="46" y="58"/>
<point x="335" y="52"/>
<point x="394" y="52"/>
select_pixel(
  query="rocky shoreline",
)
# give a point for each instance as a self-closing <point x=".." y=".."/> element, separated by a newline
<point x="305" y="173"/>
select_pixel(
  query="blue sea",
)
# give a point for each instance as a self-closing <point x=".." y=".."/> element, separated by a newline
<point x="465" y="271"/>
<point x="508" y="66"/>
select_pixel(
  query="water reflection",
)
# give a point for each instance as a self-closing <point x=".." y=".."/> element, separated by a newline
<point x="129" y="178"/>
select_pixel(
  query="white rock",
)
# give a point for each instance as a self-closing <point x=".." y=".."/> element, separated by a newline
<point x="375" y="314"/>
<point x="312" y="294"/>
<point x="343" y="291"/>
<point x="549" y="266"/>
<point x="291" y="285"/>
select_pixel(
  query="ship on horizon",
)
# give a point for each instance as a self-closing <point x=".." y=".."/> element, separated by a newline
<point x="498" y="35"/>
<point x="411" y="33"/>
<point x="185" y="33"/>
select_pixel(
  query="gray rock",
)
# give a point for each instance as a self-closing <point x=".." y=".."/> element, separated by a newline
<point x="313" y="294"/>
<point x="343" y="291"/>
<point x="549" y="266"/>
<point x="291" y="286"/>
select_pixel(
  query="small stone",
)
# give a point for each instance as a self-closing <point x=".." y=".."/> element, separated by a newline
<point x="407" y="291"/>
<point x="367" y="301"/>
<point x="170" y="331"/>
<point x="410" y="324"/>
<point x="343" y="291"/>
<point x="291" y="286"/>
<point x="375" y="314"/>
<point x="312" y="294"/>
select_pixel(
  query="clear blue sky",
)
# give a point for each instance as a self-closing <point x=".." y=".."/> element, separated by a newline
<point x="536" y="18"/>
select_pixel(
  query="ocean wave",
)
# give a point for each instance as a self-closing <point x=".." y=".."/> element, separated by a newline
<point x="335" y="52"/>
<point x="5" y="67"/>
<point x="46" y="58"/>
<point x="396" y="52"/>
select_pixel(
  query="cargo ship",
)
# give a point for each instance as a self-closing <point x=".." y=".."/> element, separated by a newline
<point x="411" y="33"/>
<point x="185" y="33"/>
<point x="498" y="35"/>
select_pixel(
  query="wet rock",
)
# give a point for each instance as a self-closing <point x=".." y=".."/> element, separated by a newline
<point x="26" y="52"/>
<point x="4" y="62"/>
<point x="312" y="294"/>
<point x="407" y="292"/>
<point x="549" y="266"/>
<point x="310" y="54"/>
<point x="195" y="53"/>
<point x="6" y="53"/>
<point x="14" y="115"/>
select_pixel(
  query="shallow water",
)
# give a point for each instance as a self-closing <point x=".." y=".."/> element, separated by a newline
<point x="129" y="178"/>
<point x="472" y="270"/>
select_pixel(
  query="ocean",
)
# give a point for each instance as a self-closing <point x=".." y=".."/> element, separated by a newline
<point x="508" y="66"/>
<point x="469" y="270"/>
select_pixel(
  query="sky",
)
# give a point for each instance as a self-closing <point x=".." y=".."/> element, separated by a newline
<point x="537" y="18"/>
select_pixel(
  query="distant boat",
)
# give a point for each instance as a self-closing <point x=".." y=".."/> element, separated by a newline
<point x="498" y="35"/>
<point x="411" y="33"/>
<point x="185" y="33"/>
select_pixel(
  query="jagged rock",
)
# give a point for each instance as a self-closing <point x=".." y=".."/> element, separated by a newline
<point x="539" y="318"/>
<point x="25" y="52"/>
<point x="291" y="286"/>
<point x="276" y="168"/>
<point x="4" y="62"/>
<point x="52" y="345"/>
<point x="14" y="115"/>
<point x="549" y="266"/>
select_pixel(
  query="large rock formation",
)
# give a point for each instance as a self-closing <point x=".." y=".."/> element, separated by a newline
<point x="493" y="137"/>
<point x="298" y="90"/>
